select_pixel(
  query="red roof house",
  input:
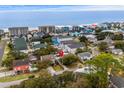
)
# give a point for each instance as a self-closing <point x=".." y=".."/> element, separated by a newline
<point x="21" y="65"/>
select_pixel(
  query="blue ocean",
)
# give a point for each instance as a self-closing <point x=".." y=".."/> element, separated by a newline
<point x="34" y="19"/>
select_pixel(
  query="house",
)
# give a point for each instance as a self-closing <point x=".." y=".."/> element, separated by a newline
<point x="117" y="81"/>
<point x="20" y="45"/>
<point x="117" y="51"/>
<point x="86" y="70"/>
<point x="108" y="40"/>
<point x="55" y="41"/>
<point x="88" y="31"/>
<point x="67" y="42"/>
<point x="58" y="39"/>
<point x="85" y="56"/>
<point x="37" y="36"/>
<point x="71" y="48"/>
<point x="65" y="38"/>
<point x="38" y="46"/>
<point x="74" y="33"/>
<point x="47" y="57"/>
<point x="21" y="66"/>
<point x="32" y="58"/>
<point x="91" y="38"/>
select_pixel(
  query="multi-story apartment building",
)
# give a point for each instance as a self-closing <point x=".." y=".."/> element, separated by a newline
<point x="76" y="28"/>
<point x="65" y="29"/>
<point x="1" y="32"/>
<point x="47" y="29"/>
<point x="17" y="31"/>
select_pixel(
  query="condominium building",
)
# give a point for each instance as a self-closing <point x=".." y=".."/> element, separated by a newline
<point x="76" y="28"/>
<point x="1" y="32"/>
<point x="17" y="31"/>
<point x="47" y="29"/>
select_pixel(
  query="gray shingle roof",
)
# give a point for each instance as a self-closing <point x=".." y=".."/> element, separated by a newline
<point x="20" y="62"/>
<point x="117" y="81"/>
<point x="39" y="46"/>
<point x="88" y="54"/>
<point x="20" y="44"/>
<point x="75" y="45"/>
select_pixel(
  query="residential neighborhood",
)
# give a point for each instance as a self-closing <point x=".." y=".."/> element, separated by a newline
<point x="86" y="51"/>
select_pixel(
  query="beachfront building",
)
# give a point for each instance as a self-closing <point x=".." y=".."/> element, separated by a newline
<point x="1" y="32"/>
<point x="18" y="31"/>
<point x="76" y="28"/>
<point x="65" y="29"/>
<point x="46" y="29"/>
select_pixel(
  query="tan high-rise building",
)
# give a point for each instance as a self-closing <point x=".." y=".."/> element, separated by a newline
<point x="17" y="31"/>
<point x="47" y="29"/>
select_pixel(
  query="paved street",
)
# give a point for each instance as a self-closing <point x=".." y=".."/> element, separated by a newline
<point x="8" y="84"/>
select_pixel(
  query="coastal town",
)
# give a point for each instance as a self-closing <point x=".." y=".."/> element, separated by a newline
<point x="75" y="56"/>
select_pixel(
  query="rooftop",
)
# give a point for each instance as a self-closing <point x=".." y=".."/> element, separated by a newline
<point x="20" y="44"/>
<point x="75" y="45"/>
<point x="10" y="28"/>
<point x="117" y="81"/>
<point x="20" y="62"/>
<point x="88" y="54"/>
<point x="39" y="46"/>
<point x="64" y="37"/>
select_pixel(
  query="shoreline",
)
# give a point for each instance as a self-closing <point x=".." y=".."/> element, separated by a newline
<point x="36" y="28"/>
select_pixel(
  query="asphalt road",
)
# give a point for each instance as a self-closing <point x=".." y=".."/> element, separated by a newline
<point x="2" y="47"/>
<point x="8" y="84"/>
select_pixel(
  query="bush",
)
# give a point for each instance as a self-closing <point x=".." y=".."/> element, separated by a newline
<point x="69" y="59"/>
<point x="31" y="76"/>
<point x="43" y="64"/>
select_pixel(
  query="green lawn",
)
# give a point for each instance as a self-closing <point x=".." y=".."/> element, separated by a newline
<point x="57" y="68"/>
<point x="6" y="50"/>
<point x="14" y="78"/>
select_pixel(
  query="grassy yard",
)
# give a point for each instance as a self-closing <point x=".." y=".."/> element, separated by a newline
<point x="57" y="68"/>
<point x="6" y="50"/>
<point x="14" y="78"/>
<point x="74" y="65"/>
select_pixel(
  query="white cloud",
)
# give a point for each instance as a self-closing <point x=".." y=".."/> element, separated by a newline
<point x="71" y="8"/>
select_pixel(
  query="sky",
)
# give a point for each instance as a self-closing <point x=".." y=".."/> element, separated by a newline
<point x="37" y="15"/>
<point x="59" y="8"/>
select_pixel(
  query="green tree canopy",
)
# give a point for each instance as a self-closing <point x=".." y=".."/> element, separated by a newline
<point x="119" y="45"/>
<point x="79" y="50"/>
<point x="45" y="51"/>
<point x="69" y="59"/>
<point x="102" y="64"/>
